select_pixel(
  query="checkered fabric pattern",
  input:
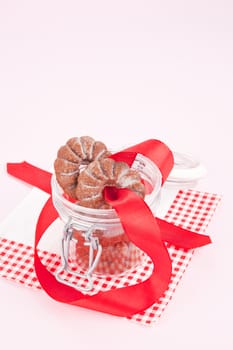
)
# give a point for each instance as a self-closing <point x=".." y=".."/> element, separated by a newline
<point x="192" y="210"/>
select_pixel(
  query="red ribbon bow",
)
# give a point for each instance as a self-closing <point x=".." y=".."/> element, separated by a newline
<point x="143" y="229"/>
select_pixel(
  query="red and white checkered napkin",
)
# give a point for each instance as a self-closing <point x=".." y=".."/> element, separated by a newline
<point x="192" y="210"/>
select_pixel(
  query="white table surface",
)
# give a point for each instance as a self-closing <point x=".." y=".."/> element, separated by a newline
<point x="121" y="72"/>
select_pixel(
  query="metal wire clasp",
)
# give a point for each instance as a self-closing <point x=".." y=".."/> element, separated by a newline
<point x="94" y="245"/>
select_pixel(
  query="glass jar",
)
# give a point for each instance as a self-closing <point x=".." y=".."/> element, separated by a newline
<point x="94" y="240"/>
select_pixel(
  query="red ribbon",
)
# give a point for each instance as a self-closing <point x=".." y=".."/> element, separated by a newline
<point x="145" y="231"/>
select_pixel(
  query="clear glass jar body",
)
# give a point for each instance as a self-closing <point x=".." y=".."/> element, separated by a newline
<point x="100" y="230"/>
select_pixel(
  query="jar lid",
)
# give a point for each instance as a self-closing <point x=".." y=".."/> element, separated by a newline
<point x="186" y="170"/>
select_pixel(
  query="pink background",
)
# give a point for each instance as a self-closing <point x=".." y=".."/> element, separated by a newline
<point x="121" y="72"/>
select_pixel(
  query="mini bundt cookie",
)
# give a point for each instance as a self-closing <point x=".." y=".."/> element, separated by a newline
<point x="77" y="152"/>
<point x="105" y="172"/>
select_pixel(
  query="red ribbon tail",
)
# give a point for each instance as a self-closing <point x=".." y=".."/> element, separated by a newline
<point x="31" y="175"/>
<point x="180" y="237"/>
